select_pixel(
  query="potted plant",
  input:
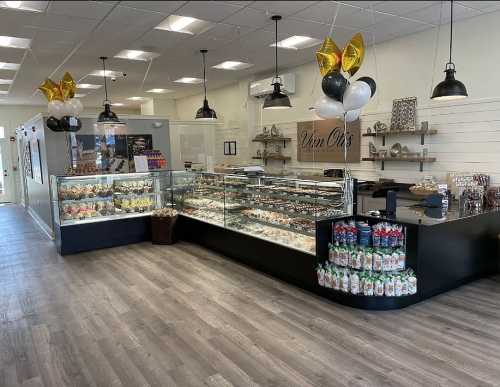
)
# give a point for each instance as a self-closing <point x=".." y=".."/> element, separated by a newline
<point x="163" y="226"/>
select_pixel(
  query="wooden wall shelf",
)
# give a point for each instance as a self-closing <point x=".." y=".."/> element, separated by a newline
<point x="411" y="159"/>
<point x="273" y="157"/>
<point x="267" y="140"/>
<point x="421" y="133"/>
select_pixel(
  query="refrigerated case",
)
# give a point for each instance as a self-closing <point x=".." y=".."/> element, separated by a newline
<point x="96" y="211"/>
<point x="282" y="211"/>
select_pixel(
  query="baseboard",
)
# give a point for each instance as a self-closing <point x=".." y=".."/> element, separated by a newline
<point x="45" y="228"/>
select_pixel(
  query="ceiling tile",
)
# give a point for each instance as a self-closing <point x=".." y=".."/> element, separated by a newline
<point x="432" y="14"/>
<point x="159" y="41"/>
<point x="213" y="11"/>
<point x="480" y="5"/>
<point x="362" y="4"/>
<point x="249" y="17"/>
<point x="164" y="7"/>
<point x="228" y="31"/>
<point x="135" y="17"/>
<point x="301" y="27"/>
<point x="85" y="9"/>
<point x="283" y="8"/>
<point x="240" y="3"/>
<point x="402" y="7"/>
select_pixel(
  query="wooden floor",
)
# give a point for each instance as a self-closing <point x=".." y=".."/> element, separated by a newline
<point x="145" y="315"/>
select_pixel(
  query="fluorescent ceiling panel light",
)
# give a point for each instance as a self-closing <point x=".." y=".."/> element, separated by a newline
<point x="136" y="99"/>
<point x="137" y="55"/>
<point x="189" y="80"/>
<point x="159" y="91"/>
<point x="297" y="42"/>
<point x="109" y="73"/>
<point x="9" y="41"/>
<point x="232" y="65"/>
<point x="33" y="6"/>
<point x="9" y="66"/>
<point x="5" y="81"/>
<point x="184" y="24"/>
<point x="4" y="92"/>
<point x="87" y="86"/>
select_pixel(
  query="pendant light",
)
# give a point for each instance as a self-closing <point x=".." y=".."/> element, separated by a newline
<point x="277" y="99"/>
<point x="450" y="88"/>
<point x="205" y="113"/>
<point x="107" y="116"/>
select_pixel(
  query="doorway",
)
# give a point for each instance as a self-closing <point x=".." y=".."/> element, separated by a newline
<point x="6" y="181"/>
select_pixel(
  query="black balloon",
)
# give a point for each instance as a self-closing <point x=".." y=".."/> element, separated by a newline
<point x="334" y="85"/>
<point x="71" y="124"/>
<point x="54" y="124"/>
<point x="371" y="83"/>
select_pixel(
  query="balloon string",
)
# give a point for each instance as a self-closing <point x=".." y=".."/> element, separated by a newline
<point x="315" y="83"/>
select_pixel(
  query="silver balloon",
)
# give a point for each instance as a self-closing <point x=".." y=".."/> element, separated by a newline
<point x="326" y="107"/>
<point x="356" y="95"/>
<point x="352" y="115"/>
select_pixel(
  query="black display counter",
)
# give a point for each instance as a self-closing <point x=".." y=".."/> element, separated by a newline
<point x="444" y="252"/>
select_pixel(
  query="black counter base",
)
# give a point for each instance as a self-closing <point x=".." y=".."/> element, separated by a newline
<point x="78" y="238"/>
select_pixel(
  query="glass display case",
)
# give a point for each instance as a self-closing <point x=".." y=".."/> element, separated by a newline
<point x="95" y="198"/>
<point x="280" y="210"/>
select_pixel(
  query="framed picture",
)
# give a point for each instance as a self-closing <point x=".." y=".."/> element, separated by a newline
<point x="28" y="171"/>
<point x="229" y="148"/>
<point x="36" y="162"/>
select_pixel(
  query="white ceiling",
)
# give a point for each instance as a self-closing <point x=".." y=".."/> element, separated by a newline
<point x="72" y="35"/>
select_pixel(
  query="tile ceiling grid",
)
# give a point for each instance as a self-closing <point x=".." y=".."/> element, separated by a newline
<point x="392" y="19"/>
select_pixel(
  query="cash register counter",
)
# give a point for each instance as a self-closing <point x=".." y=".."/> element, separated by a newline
<point x="445" y="249"/>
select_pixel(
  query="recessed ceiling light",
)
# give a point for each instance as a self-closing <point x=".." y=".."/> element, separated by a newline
<point x="117" y="104"/>
<point x="5" y="81"/>
<point x="190" y="80"/>
<point x="9" y="41"/>
<point x="9" y="66"/>
<point x="33" y="6"/>
<point x="297" y="42"/>
<point x="232" y="65"/>
<point x="184" y="24"/>
<point x="87" y="86"/>
<point x="136" y="98"/>
<point x="109" y="73"/>
<point x="137" y="55"/>
<point x="4" y="92"/>
<point x="159" y="91"/>
<point x="77" y="95"/>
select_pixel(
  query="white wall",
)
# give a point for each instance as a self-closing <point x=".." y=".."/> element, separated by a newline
<point x="469" y="130"/>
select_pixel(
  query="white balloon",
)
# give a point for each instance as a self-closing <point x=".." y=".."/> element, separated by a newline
<point x="352" y="115"/>
<point x="56" y="109"/>
<point x="356" y="95"/>
<point x="326" y="107"/>
<point x="74" y="107"/>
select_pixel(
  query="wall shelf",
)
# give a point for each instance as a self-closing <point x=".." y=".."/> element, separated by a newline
<point x="272" y="157"/>
<point x="421" y="133"/>
<point x="411" y="159"/>
<point x="266" y="140"/>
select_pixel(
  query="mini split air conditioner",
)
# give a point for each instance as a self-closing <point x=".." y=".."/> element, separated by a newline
<point x="263" y="87"/>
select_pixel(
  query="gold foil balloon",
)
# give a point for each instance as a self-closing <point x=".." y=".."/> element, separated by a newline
<point x="67" y="86"/>
<point x="329" y="57"/>
<point x="51" y="90"/>
<point x="353" y="54"/>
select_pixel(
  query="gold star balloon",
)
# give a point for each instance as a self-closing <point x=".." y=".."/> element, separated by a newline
<point x="329" y="57"/>
<point x="51" y="90"/>
<point x="353" y="54"/>
<point x="67" y="86"/>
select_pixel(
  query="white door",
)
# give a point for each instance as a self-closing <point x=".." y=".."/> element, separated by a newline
<point x="6" y="176"/>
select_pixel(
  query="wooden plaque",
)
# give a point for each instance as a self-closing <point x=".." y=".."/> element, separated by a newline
<point x="323" y="141"/>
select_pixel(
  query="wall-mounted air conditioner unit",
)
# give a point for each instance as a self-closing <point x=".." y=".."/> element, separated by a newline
<point x="263" y="87"/>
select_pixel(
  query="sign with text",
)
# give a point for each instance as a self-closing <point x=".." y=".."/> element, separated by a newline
<point x="323" y="141"/>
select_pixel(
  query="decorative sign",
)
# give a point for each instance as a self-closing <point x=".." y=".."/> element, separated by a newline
<point x="323" y="141"/>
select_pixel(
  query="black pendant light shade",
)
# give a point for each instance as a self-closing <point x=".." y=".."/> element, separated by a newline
<point x="107" y="116"/>
<point x="277" y="99"/>
<point x="450" y="88"/>
<point x="205" y="113"/>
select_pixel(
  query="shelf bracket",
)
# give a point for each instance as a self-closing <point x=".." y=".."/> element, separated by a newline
<point x="382" y="167"/>
<point x="422" y="139"/>
<point x="421" y="166"/>
<point x="383" y="142"/>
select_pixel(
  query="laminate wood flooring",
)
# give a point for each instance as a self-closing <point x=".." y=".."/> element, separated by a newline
<point x="145" y="315"/>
